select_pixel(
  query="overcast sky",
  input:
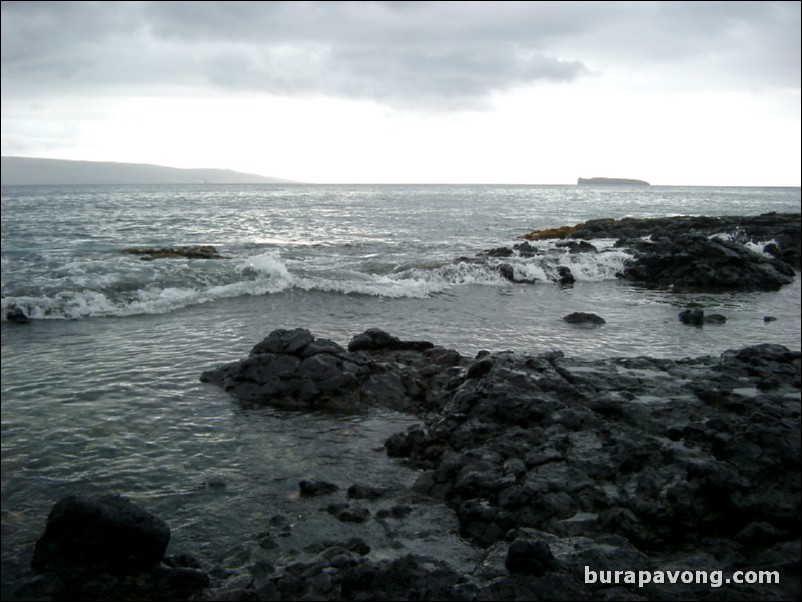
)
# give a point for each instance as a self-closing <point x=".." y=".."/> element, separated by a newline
<point x="676" y="93"/>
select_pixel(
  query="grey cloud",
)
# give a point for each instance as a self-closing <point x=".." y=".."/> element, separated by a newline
<point x="411" y="54"/>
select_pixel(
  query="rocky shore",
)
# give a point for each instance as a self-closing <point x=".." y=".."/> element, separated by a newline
<point x="564" y="470"/>
<point x="699" y="253"/>
<point x="576" y="479"/>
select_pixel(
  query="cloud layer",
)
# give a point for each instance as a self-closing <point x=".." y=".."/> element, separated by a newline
<point x="421" y="55"/>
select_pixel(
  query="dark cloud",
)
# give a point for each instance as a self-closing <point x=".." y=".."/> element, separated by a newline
<point x="414" y="54"/>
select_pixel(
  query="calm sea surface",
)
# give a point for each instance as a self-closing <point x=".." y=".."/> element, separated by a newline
<point x="100" y="391"/>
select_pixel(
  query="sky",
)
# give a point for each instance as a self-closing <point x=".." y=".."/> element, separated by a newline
<point x="675" y="93"/>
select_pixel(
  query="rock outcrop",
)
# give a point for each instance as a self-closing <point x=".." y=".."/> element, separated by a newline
<point x="779" y="232"/>
<point x="699" y="253"/>
<point x="624" y="478"/>
<point x="639" y="464"/>
<point x="697" y="262"/>
<point x="292" y="369"/>
<point x="559" y="466"/>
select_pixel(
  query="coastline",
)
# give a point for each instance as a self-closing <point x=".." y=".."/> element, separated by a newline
<point x="670" y="430"/>
<point x="550" y="464"/>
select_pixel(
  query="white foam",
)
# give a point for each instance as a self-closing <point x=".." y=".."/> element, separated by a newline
<point x="268" y="273"/>
<point x="266" y="265"/>
<point x="754" y="246"/>
<point x="604" y="265"/>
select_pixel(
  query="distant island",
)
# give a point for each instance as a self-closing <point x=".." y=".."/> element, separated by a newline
<point x="610" y="182"/>
<point x="26" y="171"/>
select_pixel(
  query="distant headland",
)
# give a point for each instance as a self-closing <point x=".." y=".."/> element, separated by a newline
<point x="26" y="171"/>
<point x="610" y="182"/>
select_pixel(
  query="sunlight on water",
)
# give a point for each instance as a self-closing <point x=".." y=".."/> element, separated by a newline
<point x="104" y="395"/>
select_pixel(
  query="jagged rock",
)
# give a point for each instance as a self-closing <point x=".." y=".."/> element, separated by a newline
<point x="642" y="457"/>
<point x="293" y="369"/>
<point x="684" y="252"/>
<point x="555" y="464"/>
<point x="785" y="229"/>
<point x="698" y="262"/>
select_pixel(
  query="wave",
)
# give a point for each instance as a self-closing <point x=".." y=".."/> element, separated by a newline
<point x="269" y="273"/>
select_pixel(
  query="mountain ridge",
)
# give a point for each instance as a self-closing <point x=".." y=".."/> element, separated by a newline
<point x="28" y="171"/>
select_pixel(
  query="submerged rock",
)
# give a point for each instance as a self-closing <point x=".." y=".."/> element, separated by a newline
<point x="314" y="488"/>
<point x="697" y="317"/>
<point x="584" y="318"/>
<point x="191" y="252"/>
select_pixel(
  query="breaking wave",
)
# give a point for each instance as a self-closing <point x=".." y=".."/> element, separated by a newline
<point x="173" y="286"/>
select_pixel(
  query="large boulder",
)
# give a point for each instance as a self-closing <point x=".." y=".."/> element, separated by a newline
<point x="107" y="548"/>
<point x="295" y="370"/>
<point x="100" y="534"/>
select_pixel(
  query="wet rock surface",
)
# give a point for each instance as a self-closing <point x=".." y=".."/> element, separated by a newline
<point x="293" y="369"/>
<point x="694" y="252"/>
<point x="579" y="317"/>
<point x="107" y="548"/>
<point x="17" y="315"/>
<point x="574" y="479"/>
<point x="190" y="252"/>
<point x="632" y="464"/>
<point x="555" y="464"/>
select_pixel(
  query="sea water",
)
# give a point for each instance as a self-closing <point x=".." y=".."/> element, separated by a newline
<point x="101" y="391"/>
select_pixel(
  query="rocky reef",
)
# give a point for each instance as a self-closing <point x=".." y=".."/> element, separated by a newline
<point x="622" y="478"/>
<point x="554" y="464"/>
<point x="190" y="252"/>
<point x="691" y="252"/>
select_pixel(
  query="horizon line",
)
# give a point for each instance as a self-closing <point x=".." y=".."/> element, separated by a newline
<point x="367" y="183"/>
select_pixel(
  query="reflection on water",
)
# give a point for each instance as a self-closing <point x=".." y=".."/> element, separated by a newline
<point x="115" y="405"/>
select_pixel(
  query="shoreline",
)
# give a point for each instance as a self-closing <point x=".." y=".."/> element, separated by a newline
<point x="550" y="464"/>
<point x="547" y="462"/>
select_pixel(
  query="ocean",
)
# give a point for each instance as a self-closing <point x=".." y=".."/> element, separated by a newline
<point x="101" y="391"/>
